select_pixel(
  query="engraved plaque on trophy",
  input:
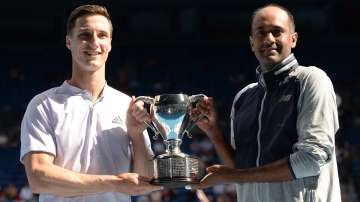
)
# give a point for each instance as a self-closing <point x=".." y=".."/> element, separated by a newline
<point x="171" y="120"/>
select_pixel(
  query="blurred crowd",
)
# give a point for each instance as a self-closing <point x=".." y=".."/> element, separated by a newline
<point x="152" y="76"/>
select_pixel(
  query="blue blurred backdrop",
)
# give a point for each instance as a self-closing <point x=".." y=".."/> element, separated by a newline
<point x="163" y="46"/>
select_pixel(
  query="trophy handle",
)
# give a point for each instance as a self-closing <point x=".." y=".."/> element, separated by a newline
<point x="150" y="124"/>
<point x="194" y="99"/>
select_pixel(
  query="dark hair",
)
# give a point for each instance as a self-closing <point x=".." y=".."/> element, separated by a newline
<point x="291" y="17"/>
<point x="86" y="10"/>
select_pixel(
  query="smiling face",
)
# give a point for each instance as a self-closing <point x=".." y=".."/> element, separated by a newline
<point x="89" y="42"/>
<point x="272" y="36"/>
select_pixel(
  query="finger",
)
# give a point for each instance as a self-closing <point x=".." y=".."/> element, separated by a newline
<point x="141" y="117"/>
<point x="145" y="187"/>
<point x="145" y="178"/>
<point x="132" y="101"/>
<point x="201" y="195"/>
<point x="139" y="110"/>
<point x="204" y="183"/>
<point x="194" y="115"/>
<point x="202" y="108"/>
<point x="203" y="121"/>
<point x="210" y="100"/>
<point x="138" y="105"/>
<point x="208" y="103"/>
<point x="152" y="188"/>
<point x="213" y="168"/>
<point x="194" y="186"/>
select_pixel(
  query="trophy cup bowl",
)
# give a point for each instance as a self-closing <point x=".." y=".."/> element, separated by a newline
<point x="171" y="120"/>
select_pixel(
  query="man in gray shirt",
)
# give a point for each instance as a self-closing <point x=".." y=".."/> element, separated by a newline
<point x="282" y="127"/>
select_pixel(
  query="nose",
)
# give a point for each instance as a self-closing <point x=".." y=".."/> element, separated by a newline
<point x="269" y="39"/>
<point x="94" y="41"/>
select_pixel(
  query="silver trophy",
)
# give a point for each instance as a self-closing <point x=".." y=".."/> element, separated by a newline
<point x="171" y="120"/>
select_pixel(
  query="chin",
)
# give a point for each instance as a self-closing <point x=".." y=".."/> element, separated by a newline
<point x="91" y="67"/>
<point x="269" y="62"/>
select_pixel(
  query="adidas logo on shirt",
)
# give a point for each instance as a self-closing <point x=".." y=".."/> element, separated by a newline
<point x="117" y="120"/>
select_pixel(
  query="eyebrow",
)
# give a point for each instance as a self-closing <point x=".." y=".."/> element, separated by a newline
<point x="88" y="29"/>
<point x="272" y="27"/>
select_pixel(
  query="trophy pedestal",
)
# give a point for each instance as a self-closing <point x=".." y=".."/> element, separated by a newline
<point x="174" y="182"/>
<point x="173" y="171"/>
<point x="171" y="119"/>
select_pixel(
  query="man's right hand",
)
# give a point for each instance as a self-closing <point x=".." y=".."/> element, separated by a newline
<point x="133" y="184"/>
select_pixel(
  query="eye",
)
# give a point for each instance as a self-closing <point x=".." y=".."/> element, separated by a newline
<point x="260" y="33"/>
<point x="276" y="32"/>
<point x="103" y="35"/>
<point x="84" y="35"/>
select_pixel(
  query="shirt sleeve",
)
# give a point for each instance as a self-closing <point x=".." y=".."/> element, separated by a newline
<point x="36" y="132"/>
<point x="317" y="124"/>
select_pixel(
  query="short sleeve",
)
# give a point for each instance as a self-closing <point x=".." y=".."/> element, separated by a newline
<point x="36" y="130"/>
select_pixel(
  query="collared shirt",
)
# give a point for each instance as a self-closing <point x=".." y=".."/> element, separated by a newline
<point x="84" y="136"/>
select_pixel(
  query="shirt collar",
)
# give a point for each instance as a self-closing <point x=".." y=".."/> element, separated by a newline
<point x="69" y="89"/>
<point x="283" y="68"/>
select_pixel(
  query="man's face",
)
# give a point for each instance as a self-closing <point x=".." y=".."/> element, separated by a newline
<point x="272" y="36"/>
<point x="90" y="42"/>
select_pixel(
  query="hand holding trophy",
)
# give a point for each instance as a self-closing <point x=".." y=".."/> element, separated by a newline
<point x="171" y="120"/>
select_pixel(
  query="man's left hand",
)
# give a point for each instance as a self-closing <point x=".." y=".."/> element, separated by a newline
<point x="136" y="117"/>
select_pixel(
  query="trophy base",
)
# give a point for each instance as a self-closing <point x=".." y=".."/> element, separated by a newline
<point x="173" y="171"/>
<point x="174" y="182"/>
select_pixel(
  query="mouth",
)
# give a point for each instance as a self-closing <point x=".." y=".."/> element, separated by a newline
<point x="270" y="50"/>
<point x="92" y="53"/>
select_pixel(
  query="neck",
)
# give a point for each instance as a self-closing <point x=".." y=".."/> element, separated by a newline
<point x="269" y="67"/>
<point x="266" y="68"/>
<point x="93" y="82"/>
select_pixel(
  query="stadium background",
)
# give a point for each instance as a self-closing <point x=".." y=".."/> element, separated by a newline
<point x="173" y="46"/>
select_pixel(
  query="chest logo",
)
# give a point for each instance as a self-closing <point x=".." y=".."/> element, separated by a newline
<point x="285" y="98"/>
<point x="117" y="120"/>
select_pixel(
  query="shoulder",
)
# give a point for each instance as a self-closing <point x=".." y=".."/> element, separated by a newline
<point x="244" y="90"/>
<point x="40" y="105"/>
<point x="311" y="74"/>
<point x="42" y="98"/>
<point x="315" y="85"/>
<point x="114" y="93"/>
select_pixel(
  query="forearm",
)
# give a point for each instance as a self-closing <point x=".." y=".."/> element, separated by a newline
<point x="55" y="180"/>
<point x="274" y="172"/>
<point x="223" y="149"/>
<point x="140" y="155"/>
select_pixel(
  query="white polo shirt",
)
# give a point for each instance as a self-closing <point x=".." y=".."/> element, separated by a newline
<point x="83" y="136"/>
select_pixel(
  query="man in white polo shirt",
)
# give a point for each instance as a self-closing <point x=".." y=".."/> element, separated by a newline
<point x="81" y="140"/>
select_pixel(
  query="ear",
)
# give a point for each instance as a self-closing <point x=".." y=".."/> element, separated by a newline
<point x="251" y="40"/>
<point x="68" y="41"/>
<point x="294" y="38"/>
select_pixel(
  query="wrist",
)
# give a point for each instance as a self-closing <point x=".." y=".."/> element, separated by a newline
<point x="109" y="183"/>
<point x="135" y="135"/>
<point x="215" y="134"/>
